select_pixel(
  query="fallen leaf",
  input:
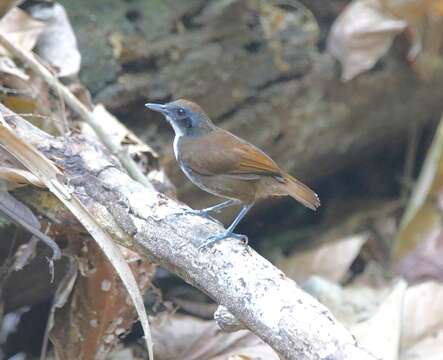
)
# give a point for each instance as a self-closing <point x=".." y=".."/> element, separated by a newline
<point x="60" y="298"/>
<point x="98" y="311"/>
<point x="374" y="316"/>
<point x="18" y="178"/>
<point x="188" y="338"/>
<point x="423" y="312"/>
<point x="330" y="261"/>
<point x="422" y="333"/>
<point x="21" y="29"/>
<point x="21" y="215"/>
<point x="361" y="35"/>
<point x="351" y="304"/>
<point x="380" y="334"/>
<point x="429" y="348"/>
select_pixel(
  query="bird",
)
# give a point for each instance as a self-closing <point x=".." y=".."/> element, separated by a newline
<point x="225" y="165"/>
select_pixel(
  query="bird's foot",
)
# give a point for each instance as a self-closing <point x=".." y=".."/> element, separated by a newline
<point x="202" y="213"/>
<point x="224" y="235"/>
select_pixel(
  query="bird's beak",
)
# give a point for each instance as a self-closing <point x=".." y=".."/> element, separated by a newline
<point x="157" y="107"/>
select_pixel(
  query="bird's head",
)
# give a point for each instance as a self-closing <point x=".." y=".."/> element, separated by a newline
<point x="186" y="117"/>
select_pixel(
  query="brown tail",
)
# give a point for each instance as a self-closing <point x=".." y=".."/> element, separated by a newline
<point x="300" y="192"/>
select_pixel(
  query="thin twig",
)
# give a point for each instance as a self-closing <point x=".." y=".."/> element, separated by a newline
<point x="128" y="163"/>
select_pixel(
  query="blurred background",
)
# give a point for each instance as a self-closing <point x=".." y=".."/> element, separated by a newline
<point x="345" y="95"/>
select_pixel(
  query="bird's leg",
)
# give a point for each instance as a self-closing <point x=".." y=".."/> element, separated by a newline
<point x="215" y="208"/>
<point x="229" y="231"/>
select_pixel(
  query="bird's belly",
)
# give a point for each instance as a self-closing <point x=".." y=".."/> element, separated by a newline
<point x="223" y="186"/>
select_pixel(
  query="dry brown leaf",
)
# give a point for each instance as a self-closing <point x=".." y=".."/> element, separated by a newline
<point x="18" y="178"/>
<point x="361" y="35"/>
<point x="422" y="333"/>
<point x="60" y="298"/>
<point x="21" y="29"/>
<point x="99" y="312"/>
<point x="187" y="338"/>
<point x="330" y="261"/>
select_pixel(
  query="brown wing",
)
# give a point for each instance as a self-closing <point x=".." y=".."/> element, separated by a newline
<point x="237" y="157"/>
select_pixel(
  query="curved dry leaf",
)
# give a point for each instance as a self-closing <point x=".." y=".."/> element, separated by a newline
<point x="61" y="296"/>
<point x="19" y="178"/>
<point x="429" y="348"/>
<point x="330" y="261"/>
<point x="361" y="35"/>
<point x="374" y="316"/>
<point x="8" y="66"/>
<point x="188" y="338"/>
<point x="381" y="333"/>
<point x="422" y="333"/>
<point x="21" y="29"/>
<point x="423" y="313"/>
<point x="20" y="214"/>
<point x="98" y="312"/>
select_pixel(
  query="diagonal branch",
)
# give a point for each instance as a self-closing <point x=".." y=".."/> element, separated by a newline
<point x="259" y="295"/>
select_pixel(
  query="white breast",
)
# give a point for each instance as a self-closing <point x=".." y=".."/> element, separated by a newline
<point x="179" y="159"/>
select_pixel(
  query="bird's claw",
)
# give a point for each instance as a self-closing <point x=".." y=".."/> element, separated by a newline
<point x="216" y="238"/>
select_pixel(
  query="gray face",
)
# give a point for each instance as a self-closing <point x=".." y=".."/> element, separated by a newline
<point x="183" y="119"/>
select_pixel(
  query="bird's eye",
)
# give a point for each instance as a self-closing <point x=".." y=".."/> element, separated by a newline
<point x="181" y="111"/>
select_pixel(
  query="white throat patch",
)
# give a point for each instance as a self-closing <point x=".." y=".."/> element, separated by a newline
<point x="178" y="134"/>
